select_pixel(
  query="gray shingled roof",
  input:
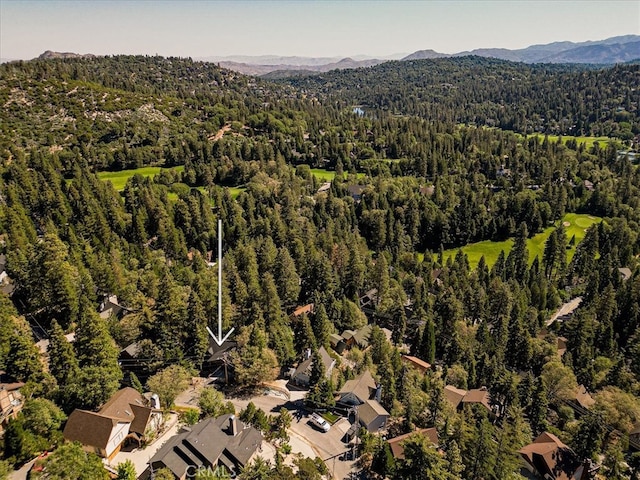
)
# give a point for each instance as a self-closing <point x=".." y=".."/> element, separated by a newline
<point x="208" y="443"/>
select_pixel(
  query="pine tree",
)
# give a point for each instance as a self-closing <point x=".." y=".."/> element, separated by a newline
<point x="63" y="364"/>
<point x="427" y="349"/>
<point x="287" y="278"/>
<point x="383" y="462"/>
<point x="519" y="255"/>
<point x="321" y="324"/>
<point x="23" y="360"/>
<point x="537" y="411"/>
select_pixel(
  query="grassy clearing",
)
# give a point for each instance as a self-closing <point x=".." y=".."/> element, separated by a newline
<point x="578" y="224"/>
<point x="119" y="179"/>
<point x="328" y="175"/>
<point x="587" y="141"/>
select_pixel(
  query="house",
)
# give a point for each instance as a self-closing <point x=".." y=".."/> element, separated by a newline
<point x="560" y="342"/>
<point x="454" y="395"/>
<point x="11" y="400"/>
<point x="302" y="374"/>
<point x="111" y="308"/>
<point x="551" y="459"/>
<point x="360" y="337"/>
<point x="6" y="286"/>
<point x="324" y="187"/>
<point x="625" y="273"/>
<point x="415" y="362"/>
<point x="130" y="352"/>
<point x="223" y="442"/>
<point x="356" y="191"/>
<point x="458" y="397"/>
<point x="125" y="417"/>
<point x="337" y="343"/>
<point x="305" y="309"/>
<point x="43" y="345"/>
<point x="397" y="449"/>
<point x="583" y="398"/>
<point x="561" y="345"/>
<point x="362" y="394"/>
<point x="369" y="299"/>
<point x="3" y="273"/>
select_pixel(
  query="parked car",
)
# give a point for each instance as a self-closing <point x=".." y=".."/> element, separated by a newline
<point x="319" y="422"/>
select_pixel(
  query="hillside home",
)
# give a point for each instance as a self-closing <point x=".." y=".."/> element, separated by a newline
<point x="417" y="363"/>
<point x="356" y="191"/>
<point x="560" y="342"/>
<point x="6" y="285"/>
<point x="459" y="397"/>
<point x="324" y="187"/>
<point x="300" y="377"/>
<point x="305" y="309"/>
<point x="125" y="417"/>
<point x="625" y="273"/>
<point x="360" y="338"/>
<point x="583" y="398"/>
<point x="11" y="400"/>
<point x="397" y="448"/>
<point x="110" y="307"/>
<point x="362" y="395"/>
<point x="215" y="442"/>
<point x="551" y="459"/>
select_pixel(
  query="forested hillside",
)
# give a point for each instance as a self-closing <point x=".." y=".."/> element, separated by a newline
<point x="552" y="99"/>
<point x="420" y="171"/>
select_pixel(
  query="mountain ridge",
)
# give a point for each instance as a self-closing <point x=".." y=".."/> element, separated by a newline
<point x="618" y="49"/>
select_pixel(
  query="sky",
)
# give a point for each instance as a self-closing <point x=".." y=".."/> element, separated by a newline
<point x="311" y="28"/>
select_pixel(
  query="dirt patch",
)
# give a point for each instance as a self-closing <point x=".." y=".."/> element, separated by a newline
<point x="566" y="224"/>
<point x="220" y="133"/>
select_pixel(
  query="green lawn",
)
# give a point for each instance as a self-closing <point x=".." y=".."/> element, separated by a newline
<point x="328" y="175"/>
<point x="119" y="179"/>
<point x="588" y="141"/>
<point x="578" y="224"/>
<point x="330" y="417"/>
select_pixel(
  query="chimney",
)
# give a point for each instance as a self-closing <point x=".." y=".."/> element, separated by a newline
<point x="233" y="425"/>
<point x="378" y="395"/>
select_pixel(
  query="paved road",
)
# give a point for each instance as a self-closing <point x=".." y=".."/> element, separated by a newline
<point x="565" y="309"/>
<point x="22" y="473"/>
<point x="304" y="437"/>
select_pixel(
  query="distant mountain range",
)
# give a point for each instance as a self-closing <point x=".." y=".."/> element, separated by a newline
<point x="609" y="51"/>
<point x="612" y="50"/>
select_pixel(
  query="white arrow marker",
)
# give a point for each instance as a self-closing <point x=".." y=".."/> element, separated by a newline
<point x="219" y="339"/>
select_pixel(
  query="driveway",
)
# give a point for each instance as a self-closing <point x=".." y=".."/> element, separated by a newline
<point x="140" y="457"/>
<point x="304" y="437"/>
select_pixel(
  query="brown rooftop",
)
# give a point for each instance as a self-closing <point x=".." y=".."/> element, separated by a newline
<point x="396" y="443"/>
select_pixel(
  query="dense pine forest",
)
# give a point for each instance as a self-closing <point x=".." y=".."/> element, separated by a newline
<point x="439" y="154"/>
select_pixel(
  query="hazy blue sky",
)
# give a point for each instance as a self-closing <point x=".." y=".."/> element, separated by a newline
<point x="302" y="27"/>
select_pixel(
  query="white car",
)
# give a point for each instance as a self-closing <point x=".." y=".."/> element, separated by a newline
<point x="320" y="422"/>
